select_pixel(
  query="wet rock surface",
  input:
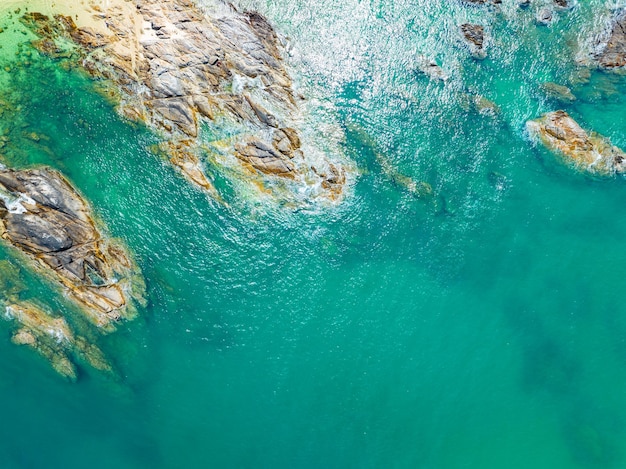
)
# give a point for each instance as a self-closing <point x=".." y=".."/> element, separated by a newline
<point x="586" y="151"/>
<point x="46" y="219"/>
<point x="176" y="67"/>
<point x="474" y="36"/>
<point x="610" y="47"/>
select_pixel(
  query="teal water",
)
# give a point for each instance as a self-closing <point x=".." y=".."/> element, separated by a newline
<point x="483" y="328"/>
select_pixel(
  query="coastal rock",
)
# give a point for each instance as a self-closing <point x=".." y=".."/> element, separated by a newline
<point x="177" y="67"/>
<point x="558" y="92"/>
<point x="52" y="337"/>
<point x="586" y="151"/>
<point x="610" y="47"/>
<point x="474" y="36"/>
<point x="46" y="219"/>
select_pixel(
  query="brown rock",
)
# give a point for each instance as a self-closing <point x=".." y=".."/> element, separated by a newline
<point x="175" y="66"/>
<point x="474" y="35"/>
<point x="265" y="158"/>
<point x="45" y="218"/>
<point x="586" y="151"/>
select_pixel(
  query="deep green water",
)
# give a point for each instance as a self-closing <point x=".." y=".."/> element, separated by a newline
<point x="485" y="328"/>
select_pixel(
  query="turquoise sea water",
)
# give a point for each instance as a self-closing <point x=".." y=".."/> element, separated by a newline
<point x="482" y="328"/>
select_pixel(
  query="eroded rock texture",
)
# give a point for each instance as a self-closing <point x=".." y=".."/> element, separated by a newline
<point x="176" y="66"/>
<point x="586" y="151"/>
<point x="45" y="218"/>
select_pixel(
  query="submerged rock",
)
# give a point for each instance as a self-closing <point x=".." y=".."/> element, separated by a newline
<point x="175" y="67"/>
<point x="545" y="16"/>
<point x="558" y="92"/>
<point x="52" y="337"/>
<point x="46" y="219"/>
<point x="474" y="36"/>
<point x="610" y="47"/>
<point x="430" y="68"/>
<point x="586" y="151"/>
<point x="417" y="189"/>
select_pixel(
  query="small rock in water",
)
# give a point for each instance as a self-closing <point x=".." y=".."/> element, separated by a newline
<point x="430" y="68"/>
<point x="523" y="3"/>
<point x="474" y="36"/>
<point x="545" y="16"/>
<point x="562" y="4"/>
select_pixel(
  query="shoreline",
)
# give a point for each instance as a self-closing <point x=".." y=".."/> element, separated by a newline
<point x="90" y="13"/>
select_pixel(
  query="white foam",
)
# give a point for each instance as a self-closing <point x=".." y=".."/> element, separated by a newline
<point x="14" y="205"/>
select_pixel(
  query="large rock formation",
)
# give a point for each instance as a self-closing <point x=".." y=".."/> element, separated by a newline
<point x="586" y="151"/>
<point x="46" y="219"/>
<point x="610" y="47"/>
<point x="176" y="66"/>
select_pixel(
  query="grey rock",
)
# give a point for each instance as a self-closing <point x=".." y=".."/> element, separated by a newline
<point x="610" y="47"/>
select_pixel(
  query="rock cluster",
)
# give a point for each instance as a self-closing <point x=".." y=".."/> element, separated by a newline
<point x="610" y="48"/>
<point x="52" y="337"/>
<point x="176" y="67"/>
<point x="586" y="151"/>
<point x="46" y="219"/>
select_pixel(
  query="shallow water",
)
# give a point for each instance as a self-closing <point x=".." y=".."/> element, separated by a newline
<point x="481" y="328"/>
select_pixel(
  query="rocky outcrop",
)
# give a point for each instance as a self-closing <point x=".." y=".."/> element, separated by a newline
<point x="176" y="67"/>
<point x="47" y="220"/>
<point x="474" y="36"/>
<point x="586" y="151"/>
<point x="610" y="47"/>
<point x="52" y="337"/>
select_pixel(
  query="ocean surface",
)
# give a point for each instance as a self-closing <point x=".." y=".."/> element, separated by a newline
<point x="482" y="327"/>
